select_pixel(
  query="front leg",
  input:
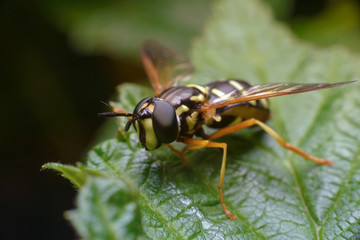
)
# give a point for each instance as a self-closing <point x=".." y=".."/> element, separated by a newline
<point x="194" y="144"/>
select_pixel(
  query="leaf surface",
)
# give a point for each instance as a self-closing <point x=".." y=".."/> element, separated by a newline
<point x="274" y="193"/>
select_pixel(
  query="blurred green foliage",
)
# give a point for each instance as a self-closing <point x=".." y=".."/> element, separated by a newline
<point x="117" y="28"/>
<point x="337" y="24"/>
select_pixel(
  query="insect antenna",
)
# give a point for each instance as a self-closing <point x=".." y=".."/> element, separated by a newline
<point x="116" y="114"/>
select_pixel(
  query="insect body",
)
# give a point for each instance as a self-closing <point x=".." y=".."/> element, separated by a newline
<point x="178" y="113"/>
<point x="187" y="100"/>
<point x="173" y="115"/>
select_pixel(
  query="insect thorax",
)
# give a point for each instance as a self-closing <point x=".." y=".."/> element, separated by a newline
<point x="185" y="101"/>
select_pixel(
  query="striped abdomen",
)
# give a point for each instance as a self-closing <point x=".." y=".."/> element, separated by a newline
<point x="235" y="113"/>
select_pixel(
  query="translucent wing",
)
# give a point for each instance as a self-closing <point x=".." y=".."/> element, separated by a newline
<point x="163" y="66"/>
<point x="266" y="91"/>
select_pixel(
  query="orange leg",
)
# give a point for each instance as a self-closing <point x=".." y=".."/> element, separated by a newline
<point x="251" y="122"/>
<point x="179" y="153"/>
<point x="197" y="144"/>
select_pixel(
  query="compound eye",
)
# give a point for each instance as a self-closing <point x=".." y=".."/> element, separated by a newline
<point x="165" y="122"/>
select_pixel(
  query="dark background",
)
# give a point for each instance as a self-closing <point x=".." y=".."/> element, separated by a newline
<point x="57" y="65"/>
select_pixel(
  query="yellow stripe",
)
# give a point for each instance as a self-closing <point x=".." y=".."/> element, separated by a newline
<point x="198" y="98"/>
<point x="236" y="85"/>
<point x="217" y="118"/>
<point x="264" y="102"/>
<point x="181" y="109"/>
<point x="191" y="120"/>
<point x="202" y="89"/>
<point x="253" y="102"/>
<point x="151" y="141"/>
<point x="217" y="92"/>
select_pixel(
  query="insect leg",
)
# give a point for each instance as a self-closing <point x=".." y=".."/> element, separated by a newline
<point x="251" y="122"/>
<point x="179" y="153"/>
<point x="197" y="144"/>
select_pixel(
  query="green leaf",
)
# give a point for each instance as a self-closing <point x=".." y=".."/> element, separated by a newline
<point x="73" y="174"/>
<point x="274" y="193"/>
<point x="107" y="209"/>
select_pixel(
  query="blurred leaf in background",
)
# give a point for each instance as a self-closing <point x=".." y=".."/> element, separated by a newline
<point x="339" y="23"/>
<point x="117" y="28"/>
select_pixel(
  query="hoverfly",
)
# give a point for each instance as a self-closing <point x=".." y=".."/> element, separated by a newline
<point x="178" y="113"/>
